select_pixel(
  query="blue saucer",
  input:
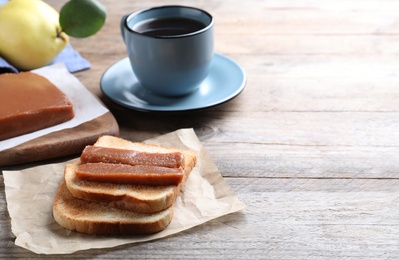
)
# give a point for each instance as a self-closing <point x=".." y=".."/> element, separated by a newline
<point x="225" y="81"/>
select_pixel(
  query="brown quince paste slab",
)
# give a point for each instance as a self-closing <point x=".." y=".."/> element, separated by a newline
<point x="30" y="102"/>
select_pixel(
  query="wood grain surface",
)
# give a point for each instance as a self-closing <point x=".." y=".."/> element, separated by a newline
<point x="311" y="145"/>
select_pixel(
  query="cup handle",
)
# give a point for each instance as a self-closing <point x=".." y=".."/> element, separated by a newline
<point x="122" y="25"/>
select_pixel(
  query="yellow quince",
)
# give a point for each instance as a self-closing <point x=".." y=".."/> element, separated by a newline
<point x="30" y="34"/>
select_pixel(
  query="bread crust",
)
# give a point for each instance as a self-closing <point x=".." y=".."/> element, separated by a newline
<point x="93" y="218"/>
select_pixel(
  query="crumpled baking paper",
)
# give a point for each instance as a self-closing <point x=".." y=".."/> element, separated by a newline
<point x="30" y="193"/>
<point x="86" y="106"/>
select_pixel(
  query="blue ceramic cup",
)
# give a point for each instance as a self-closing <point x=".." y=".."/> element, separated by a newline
<point x="170" y="47"/>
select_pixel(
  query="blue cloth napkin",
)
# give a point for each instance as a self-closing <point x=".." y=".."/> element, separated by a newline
<point x="72" y="59"/>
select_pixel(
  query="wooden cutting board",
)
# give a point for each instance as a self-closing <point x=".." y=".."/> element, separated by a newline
<point x="62" y="143"/>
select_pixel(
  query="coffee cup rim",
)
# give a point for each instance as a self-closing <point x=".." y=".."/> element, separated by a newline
<point x="169" y="36"/>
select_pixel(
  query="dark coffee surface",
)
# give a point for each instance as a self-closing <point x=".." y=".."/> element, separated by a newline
<point x="169" y="27"/>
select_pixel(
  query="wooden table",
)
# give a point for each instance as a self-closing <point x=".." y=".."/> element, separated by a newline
<point x="311" y="145"/>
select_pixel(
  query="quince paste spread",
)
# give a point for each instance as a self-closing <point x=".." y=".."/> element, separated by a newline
<point x="98" y="154"/>
<point x="30" y="102"/>
<point x="114" y="165"/>
<point x="130" y="174"/>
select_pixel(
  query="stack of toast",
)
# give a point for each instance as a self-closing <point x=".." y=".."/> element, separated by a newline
<point x="118" y="187"/>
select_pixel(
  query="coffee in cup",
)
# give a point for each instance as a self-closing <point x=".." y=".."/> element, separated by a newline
<point x="170" y="48"/>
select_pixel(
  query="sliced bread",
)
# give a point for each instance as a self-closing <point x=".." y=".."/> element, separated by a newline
<point x="94" y="218"/>
<point x="108" y="208"/>
<point x="137" y="198"/>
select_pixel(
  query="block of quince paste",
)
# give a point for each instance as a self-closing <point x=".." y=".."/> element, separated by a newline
<point x="30" y="102"/>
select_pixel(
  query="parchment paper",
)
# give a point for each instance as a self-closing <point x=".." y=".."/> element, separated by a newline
<point x="86" y="106"/>
<point x="30" y="194"/>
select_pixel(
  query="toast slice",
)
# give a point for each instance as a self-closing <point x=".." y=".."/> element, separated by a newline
<point x="136" y="198"/>
<point x="94" y="218"/>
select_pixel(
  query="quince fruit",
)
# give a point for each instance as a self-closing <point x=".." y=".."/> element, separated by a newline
<point x="30" y="34"/>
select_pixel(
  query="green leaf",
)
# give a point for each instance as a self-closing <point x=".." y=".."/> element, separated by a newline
<point x="82" y="18"/>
